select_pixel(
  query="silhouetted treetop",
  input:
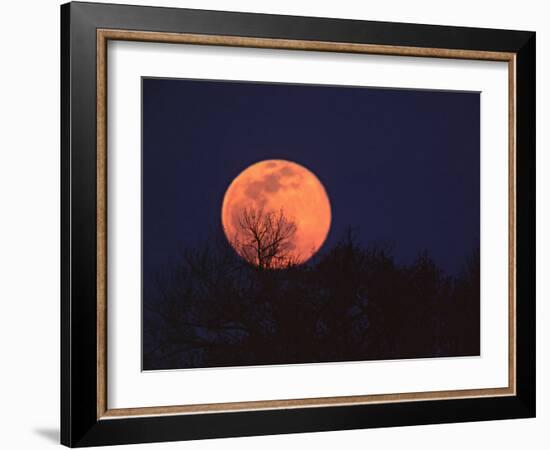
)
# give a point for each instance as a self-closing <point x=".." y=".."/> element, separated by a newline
<point x="265" y="238"/>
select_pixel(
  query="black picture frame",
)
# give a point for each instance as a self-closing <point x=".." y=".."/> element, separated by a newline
<point x="80" y="425"/>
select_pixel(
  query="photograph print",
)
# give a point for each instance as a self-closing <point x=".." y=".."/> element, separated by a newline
<point x="300" y="224"/>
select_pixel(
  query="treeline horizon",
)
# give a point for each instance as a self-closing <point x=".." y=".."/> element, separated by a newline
<point x="350" y="302"/>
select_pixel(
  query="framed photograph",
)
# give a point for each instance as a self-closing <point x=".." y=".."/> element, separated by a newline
<point x="277" y="224"/>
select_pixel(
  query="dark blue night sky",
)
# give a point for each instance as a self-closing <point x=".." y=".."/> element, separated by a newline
<point x="402" y="166"/>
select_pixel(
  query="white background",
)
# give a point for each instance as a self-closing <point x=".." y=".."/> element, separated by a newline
<point x="29" y="232"/>
<point x="129" y="387"/>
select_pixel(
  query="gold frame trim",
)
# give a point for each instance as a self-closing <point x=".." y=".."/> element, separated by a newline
<point x="104" y="35"/>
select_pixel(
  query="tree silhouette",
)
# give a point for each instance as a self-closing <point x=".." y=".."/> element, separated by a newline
<point x="265" y="238"/>
<point x="349" y="303"/>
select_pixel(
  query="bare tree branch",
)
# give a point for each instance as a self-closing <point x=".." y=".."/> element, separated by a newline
<point x="265" y="238"/>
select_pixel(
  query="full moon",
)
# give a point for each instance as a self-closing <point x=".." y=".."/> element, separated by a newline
<point x="276" y="204"/>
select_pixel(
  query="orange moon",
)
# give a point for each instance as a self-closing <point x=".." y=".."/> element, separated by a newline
<point x="277" y="185"/>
